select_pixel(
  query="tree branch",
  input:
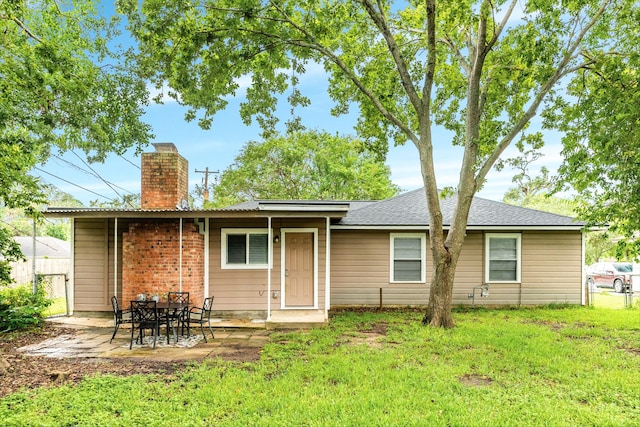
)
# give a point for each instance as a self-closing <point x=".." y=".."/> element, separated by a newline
<point x="331" y="56"/>
<point x="431" y="63"/>
<point x="560" y="72"/>
<point x="379" y="20"/>
<point x="456" y="52"/>
<point x="502" y="25"/>
<point x="23" y="27"/>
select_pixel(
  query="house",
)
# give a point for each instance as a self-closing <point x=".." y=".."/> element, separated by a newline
<point x="52" y="258"/>
<point x="274" y="259"/>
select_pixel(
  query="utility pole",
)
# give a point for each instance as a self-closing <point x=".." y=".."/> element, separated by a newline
<point x="206" y="173"/>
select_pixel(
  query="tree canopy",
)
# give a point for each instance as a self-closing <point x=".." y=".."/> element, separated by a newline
<point x="302" y="166"/>
<point x="602" y="138"/>
<point x="481" y="69"/>
<point x="61" y="88"/>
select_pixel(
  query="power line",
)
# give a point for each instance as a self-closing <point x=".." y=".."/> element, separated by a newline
<point x="95" y="175"/>
<point x="20" y="231"/>
<point x="103" y="180"/>
<point x="127" y="160"/>
<point x="76" y="185"/>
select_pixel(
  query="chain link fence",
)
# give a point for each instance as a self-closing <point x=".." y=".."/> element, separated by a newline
<point x="608" y="298"/>
<point x="56" y="287"/>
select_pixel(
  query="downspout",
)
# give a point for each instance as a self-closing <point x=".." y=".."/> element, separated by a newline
<point x="327" y="274"/>
<point x="583" y="297"/>
<point x="115" y="257"/>
<point x="34" y="275"/>
<point x="206" y="257"/>
<point x="180" y="242"/>
<point x="270" y="267"/>
<point x="72" y="267"/>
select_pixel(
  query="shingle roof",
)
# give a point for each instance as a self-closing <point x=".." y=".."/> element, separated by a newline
<point x="46" y="246"/>
<point x="410" y="209"/>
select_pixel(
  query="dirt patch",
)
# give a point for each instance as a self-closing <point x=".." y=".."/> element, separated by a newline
<point x="370" y="336"/>
<point x="370" y="339"/>
<point x="30" y="372"/>
<point x="238" y="352"/>
<point x="634" y="351"/>
<point x="554" y="326"/>
<point x="473" y="380"/>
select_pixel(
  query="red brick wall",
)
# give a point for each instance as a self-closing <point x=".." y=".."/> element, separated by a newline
<point x="165" y="180"/>
<point x="151" y="259"/>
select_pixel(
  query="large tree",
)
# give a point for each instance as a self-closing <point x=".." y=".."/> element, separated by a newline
<point x="481" y="69"/>
<point x="304" y="165"/>
<point x="61" y="88"/>
<point x="602" y="140"/>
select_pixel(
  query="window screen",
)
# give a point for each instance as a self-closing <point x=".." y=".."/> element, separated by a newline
<point x="407" y="259"/>
<point x="236" y="248"/>
<point x="258" y="249"/>
<point x="503" y="259"/>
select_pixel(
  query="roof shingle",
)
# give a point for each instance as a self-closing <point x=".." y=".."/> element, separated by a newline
<point x="410" y="209"/>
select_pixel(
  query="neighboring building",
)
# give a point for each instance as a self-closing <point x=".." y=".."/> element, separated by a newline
<point x="52" y="256"/>
<point x="270" y="259"/>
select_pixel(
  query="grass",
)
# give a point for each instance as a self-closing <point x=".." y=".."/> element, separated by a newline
<point x="527" y="367"/>
<point x="604" y="299"/>
<point x="58" y="306"/>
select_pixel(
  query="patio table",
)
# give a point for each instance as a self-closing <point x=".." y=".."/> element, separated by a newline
<point x="170" y="310"/>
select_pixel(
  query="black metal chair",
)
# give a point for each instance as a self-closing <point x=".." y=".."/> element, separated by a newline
<point x="119" y="316"/>
<point x="144" y="315"/>
<point x="179" y="303"/>
<point x="200" y="316"/>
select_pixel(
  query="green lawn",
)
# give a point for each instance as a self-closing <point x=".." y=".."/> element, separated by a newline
<point x="552" y="367"/>
<point x="58" y="306"/>
<point x="606" y="299"/>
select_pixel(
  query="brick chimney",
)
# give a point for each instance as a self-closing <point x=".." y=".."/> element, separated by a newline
<point x="165" y="178"/>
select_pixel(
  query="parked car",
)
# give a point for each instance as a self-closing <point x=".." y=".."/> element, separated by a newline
<point x="616" y="275"/>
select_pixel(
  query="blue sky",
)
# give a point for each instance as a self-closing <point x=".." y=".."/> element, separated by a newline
<point x="217" y="147"/>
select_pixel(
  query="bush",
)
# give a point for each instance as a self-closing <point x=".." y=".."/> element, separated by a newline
<point x="21" y="308"/>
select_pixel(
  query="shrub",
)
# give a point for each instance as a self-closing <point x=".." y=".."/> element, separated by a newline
<point x="21" y="308"/>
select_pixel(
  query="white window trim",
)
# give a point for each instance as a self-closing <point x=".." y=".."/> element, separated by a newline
<point x="423" y="256"/>
<point x="223" y="246"/>
<point x="518" y="237"/>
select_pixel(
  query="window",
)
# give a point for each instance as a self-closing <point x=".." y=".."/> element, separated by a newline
<point x="408" y="253"/>
<point x="503" y="258"/>
<point x="245" y="248"/>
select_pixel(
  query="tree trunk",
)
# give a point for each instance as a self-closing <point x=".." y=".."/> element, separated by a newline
<point x="439" y="308"/>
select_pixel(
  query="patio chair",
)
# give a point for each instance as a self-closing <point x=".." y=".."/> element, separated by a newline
<point x="200" y="316"/>
<point x="180" y="303"/>
<point x="119" y="316"/>
<point x="144" y="315"/>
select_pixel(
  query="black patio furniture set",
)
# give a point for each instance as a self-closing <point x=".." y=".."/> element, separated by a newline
<point x="173" y="315"/>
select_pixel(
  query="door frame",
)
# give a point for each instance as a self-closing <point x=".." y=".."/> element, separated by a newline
<point x="283" y="267"/>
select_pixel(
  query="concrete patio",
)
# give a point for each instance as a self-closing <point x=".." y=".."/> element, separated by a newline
<point x="92" y="335"/>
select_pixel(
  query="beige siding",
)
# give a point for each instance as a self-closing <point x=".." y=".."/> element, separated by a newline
<point x="90" y="265"/>
<point x="551" y="268"/>
<point x="360" y="267"/>
<point x="470" y="269"/>
<point x="246" y="289"/>
<point x="551" y="271"/>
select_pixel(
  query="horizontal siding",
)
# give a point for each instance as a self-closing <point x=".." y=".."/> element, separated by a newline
<point x="551" y="271"/>
<point x="90" y="269"/>
<point x="360" y="266"/>
<point x="551" y="268"/>
<point x="246" y="289"/>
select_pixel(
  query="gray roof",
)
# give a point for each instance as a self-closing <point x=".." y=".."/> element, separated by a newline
<point x="406" y="210"/>
<point x="410" y="209"/>
<point x="46" y="246"/>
